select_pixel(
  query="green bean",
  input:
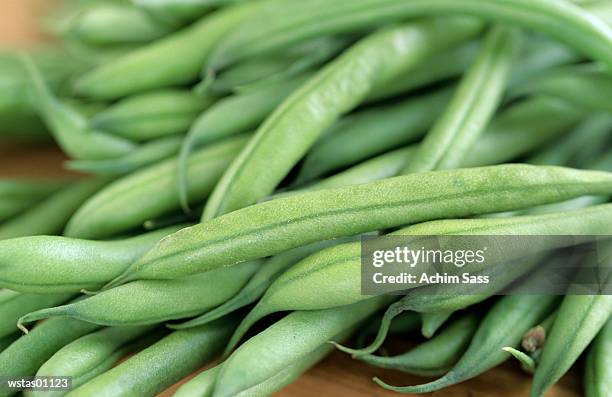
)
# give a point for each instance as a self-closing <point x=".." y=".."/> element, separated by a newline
<point x="14" y="305"/>
<point x="202" y="385"/>
<point x="26" y="355"/>
<point x="285" y="24"/>
<point x="146" y="154"/>
<point x="151" y="115"/>
<point x="471" y="108"/>
<point x="585" y="85"/>
<point x="17" y="195"/>
<point x="528" y="364"/>
<point x="404" y="324"/>
<point x="89" y="356"/>
<point x="8" y="340"/>
<point x="322" y="100"/>
<point x="580" y="146"/>
<point x="520" y="129"/>
<point x="260" y="72"/>
<point x="113" y="24"/>
<point x="54" y="265"/>
<point x="229" y="116"/>
<point x="503" y="325"/>
<point x="324" y="214"/>
<point x="177" y="58"/>
<point x="175" y="356"/>
<point x="154" y="301"/>
<point x="432" y="321"/>
<point x="578" y="321"/>
<point x="112" y="210"/>
<point x="436" y="356"/>
<point x="257" y="285"/>
<point x="287" y="341"/>
<point x="70" y="128"/>
<point x="397" y="125"/>
<point x="51" y="214"/>
<point x="179" y="12"/>
<point x="597" y="377"/>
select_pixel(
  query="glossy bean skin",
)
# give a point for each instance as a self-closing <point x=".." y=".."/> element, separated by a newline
<point x="58" y="265"/>
<point x="88" y="356"/>
<point x="69" y="127"/>
<point x="301" y="21"/>
<point x="229" y="116"/>
<point x="154" y="188"/>
<point x="432" y="321"/>
<point x="146" y="154"/>
<point x="436" y="356"/>
<point x="25" y="356"/>
<point x="472" y="106"/>
<point x="371" y="132"/>
<point x="502" y="326"/>
<point x="50" y="215"/>
<point x="338" y="88"/>
<point x="269" y="271"/>
<point x="14" y="305"/>
<point x="579" y="319"/>
<point x="597" y="377"/>
<point x="179" y="58"/>
<point x="286" y="341"/>
<point x="113" y="24"/>
<point x="314" y="216"/>
<point x="587" y="84"/>
<point x="176" y="355"/>
<point x="153" y="301"/>
<point x="151" y="115"/>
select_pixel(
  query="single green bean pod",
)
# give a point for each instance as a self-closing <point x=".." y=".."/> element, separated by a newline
<point x="323" y="214"/>
<point x="598" y="367"/>
<point x="154" y="301"/>
<point x="151" y="115"/>
<point x="179" y="12"/>
<point x="107" y="24"/>
<point x="432" y="321"/>
<point x="176" y="356"/>
<point x="89" y="356"/>
<point x="58" y="265"/>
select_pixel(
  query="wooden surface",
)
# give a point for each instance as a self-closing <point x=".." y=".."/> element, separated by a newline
<point x="336" y="376"/>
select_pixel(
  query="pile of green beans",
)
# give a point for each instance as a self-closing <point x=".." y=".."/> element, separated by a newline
<point x="230" y="159"/>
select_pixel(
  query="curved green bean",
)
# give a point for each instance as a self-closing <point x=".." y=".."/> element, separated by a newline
<point x="174" y="60"/>
<point x="54" y="265"/>
<point x="176" y="356"/>
<point x="70" y="129"/>
<point x="252" y="232"/>
<point x="179" y="12"/>
<point x="112" y="210"/>
<point x="89" y="356"/>
<point x="339" y="87"/>
<point x="404" y="324"/>
<point x="503" y="325"/>
<point x="151" y="115"/>
<point x="432" y="321"/>
<point x="284" y="24"/>
<point x="433" y="357"/>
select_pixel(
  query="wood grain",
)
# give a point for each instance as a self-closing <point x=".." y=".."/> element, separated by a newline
<point x="336" y="376"/>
